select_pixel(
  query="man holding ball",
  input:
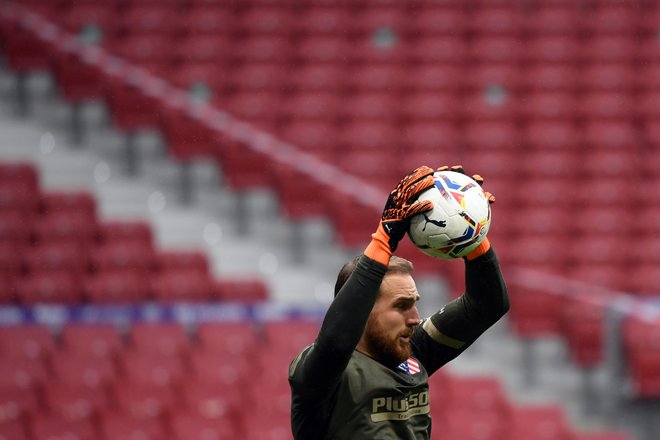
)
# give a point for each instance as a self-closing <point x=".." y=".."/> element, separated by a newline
<point x="366" y="375"/>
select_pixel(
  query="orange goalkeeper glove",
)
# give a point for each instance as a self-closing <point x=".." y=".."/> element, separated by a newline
<point x="399" y="208"/>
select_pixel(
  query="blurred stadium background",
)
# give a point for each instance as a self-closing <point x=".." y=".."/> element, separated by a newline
<point x="180" y="181"/>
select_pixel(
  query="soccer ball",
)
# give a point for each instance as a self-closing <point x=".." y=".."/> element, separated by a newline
<point x="459" y="220"/>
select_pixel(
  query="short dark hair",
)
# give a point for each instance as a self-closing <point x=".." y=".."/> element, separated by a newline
<point x="396" y="265"/>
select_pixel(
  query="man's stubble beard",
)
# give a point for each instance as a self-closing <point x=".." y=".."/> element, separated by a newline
<point x="388" y="351"/>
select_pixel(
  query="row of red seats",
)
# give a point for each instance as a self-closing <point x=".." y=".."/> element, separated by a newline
<point x="239" y="383"/>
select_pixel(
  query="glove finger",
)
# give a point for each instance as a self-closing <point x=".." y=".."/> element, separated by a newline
<point x="490" y="197"/>
<point x="443" y="168"/>
<point x="458" y="169"/>
<point x="416" y="188"/>
<point x="416" y="208"/>
<point x="477" y="178"/>
<point x="418" y="178"/>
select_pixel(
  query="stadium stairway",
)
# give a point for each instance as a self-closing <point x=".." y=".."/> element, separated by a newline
<point x="264" y="248"/>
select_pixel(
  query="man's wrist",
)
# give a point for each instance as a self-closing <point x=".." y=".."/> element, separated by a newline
<point x="483" y="247"/>
<point x="379" y="248"/>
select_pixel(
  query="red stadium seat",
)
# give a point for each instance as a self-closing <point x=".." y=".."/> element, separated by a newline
<point x="330" y="49"/>
<point x="149" y="19"/>
<point x="442" y="50"/>
<point x="646" y="279"/>
<point x="26" y="342"/>
<point x="549" y="106"/>
<point x="481" y="77"/>
<point x="429" y="77"/>
<point x="204" y="81"/>
<point x="241" y="290"/>
<point x="614" y="163"/>
<point x="234" y="339"/>
<point x="186" y="136"/>
<point x="647" y="77"/>
<point x="319" y="138"/>
<point x="136" y="231"/>
<point x="649" y="108"/>
<point x="554" y="221"/>
<point x="370" y="106"/>
<point x="214" y="402"/>
<point x="460" y="424"/>
<point x="553" y="135"/>
<point x="130" y="108"/>
<point x="550" y="163"/>
<point x="208" y="19"/>
<point x="267" y="21"/>
<point x="300" y="195"/>
<point x="205" y="49"/>
<point x="102" y="340"/>
<point x="608" y="191"/>
<point x="425" y="107"/>
<point x="13" y="429"/>
<point x="152" y="370"/>
<point x="289" y="337"/>
<point x="612" y="77"/>
<point x="266" y="49"/>
<point x="121" y="426"/>
<point x="365" y="22"/>
<point x="583" y="329"/>
<point x="492" y="104"/>
<point x="152" y="52"/>
<point x="98" y="15"/>
<point x="23" y="373"/>
<point x="256" y="108"/>
<point x="487" y="49"/>
<point x="50" y="426"/>
<point x="56" y="257"/>
<point x="313" y="107"/>
<point x="477" y="394"/>
<point x="144" y="402"/>
<point x="559" y="49"/>
<point x="185" y="259"/>
<point x="535" y="313"/>
<point x="538" y="422"/>
<point x="49" y="287"/>
<point x="370" y="50"/>
<point x="15" y="229"/>
<point x="552" y="77"/>
<point x="242" y="167"/>
<point x="317" y="77"/>
<point x="73" y="402"/>
<point x="612" y="135"/>
<point x="428" y="137"/>
<point x="22" y="174"/>
<point x="23" y="51"/>
<point x="380" y="170"/>
<point x="554" y="20"/>
<point x="640" y="345"/>
<point x="182" y="285"/>
<point x="374" y="137"/>
<point x="83" y="370"/>
<point x="132" y="257"/>
<point x="71" y="227"/>
<point x="16" y="198"/>
<point x="441" y="21"/>
<point x="257" y="77"/>
<point x="190" y="427"/>
<point x="159" y="339"/>
<point x="77" y="81"/>
<point x="608" y="106"/>
<point x="117" y="287"/>
<point x="318" y="20"/>
<point x="609" y="48"/>
<point x="492" y="136"/>
<point x="496" y="21"/>
<point x="612" y="20"/>
<point x="223" y="370"/>
<point x="79" y="202"/>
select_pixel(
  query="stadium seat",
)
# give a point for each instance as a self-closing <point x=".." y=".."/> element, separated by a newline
<point x="15" y="229"/>
<point x="535" y="313"/>
<point x="370" y="106"/>
<point x="300" y="195"/>
<point x="549" y="106"/>
<point x="56" y="257"/>
<point x="460" y="424"/>
<point x="130" y="257"/>
<point x="422" y="106"/>
<point x="317" y="77"/>
<point x="582" y="327"/>
<point x="312" y="107"/>
<point x="265" y="49"/>
<point x="79" y="202"/>
<point x="22" y="174"/>
<point x="144" y="402"/>
<point x="130" y="108"/>
<point x="148" y="19"/>
<point x="476" y="394"/>
<point x="235" y="339"/>
<point x="431" y="21"/>
<point x="192" y="427"/>
<point x="204" y="49"/>
<point x="152" y="52"/>
<point x="539" y="164"/>
<point x="606" y="106"/>
<point x="245" y="290"/>
<point x="611" y="77"/>
<point x="207" y="19"/>
<point x="23" y="373"/>
<point x="102" y="340"/>
<point x="619" y="48"/>
<point x="77" y="81"/>
<point x="371" y="165"/>
<point x="551" y="77"/>
<point x="386" y="79"/>
<point x="23" y="51"/>
<point x="491" y="136"/>
<point x="480" y="77"/>
<point x="316" y="49"/>
<point x="540" y="422"/>
<point x="432" y="78"/>
<point x="428" y="137"/>
<point x="492" y="104"/>
<point x="289" y="337"/>
<point x="187" y="137"/>
<point x="256" y="108"/>
<point x="182" y="259"/>
<point x="58" y="286"/>
<point x="80" y="19"/>
<point x="30" y="342"/>
<point x="116" y="231"/>
<point x="373" y="137"/>
<point x="126" y="427"/>
<point x="318" y="20"/>
<point x="13" y="429"/>
<point x="264" y="20"/>
<point x="257" y="77"/>
<point x="554" y="20"/>
<point x="612" y="20"/>
<point x="319" y="138"/>
<point x="182" y="285"/>
<point x="18" y="199"/>
<point x="159" y="339"/>
<point x="494" y="49"/>
<point x="365" y="22"/>
<point x="75" y="402"/>
<point x="71" y="227"/>
<point x="441" y="50"/>
<point x="225" y="371"/>
<point x="556" y="49"/>
<point x="117" y="287"/>
<point x="553" y="135"/>
<point x="641" y="349"/>
<point x="83" y="370"/>
<point x="51" y="426"/>
<point x="148" y="370"/>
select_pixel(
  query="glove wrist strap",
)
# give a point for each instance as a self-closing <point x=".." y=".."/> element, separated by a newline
<point x="479" y="250"/>
<point x="379" y="248"/>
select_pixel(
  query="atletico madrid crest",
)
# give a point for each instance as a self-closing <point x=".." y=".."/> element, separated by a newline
<point x="410" y="366"/>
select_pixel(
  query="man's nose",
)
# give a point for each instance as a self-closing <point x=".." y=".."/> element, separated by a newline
<point x="413" y="319"/>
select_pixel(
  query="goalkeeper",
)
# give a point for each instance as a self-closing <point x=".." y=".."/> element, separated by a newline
<point x="366" y="376"/>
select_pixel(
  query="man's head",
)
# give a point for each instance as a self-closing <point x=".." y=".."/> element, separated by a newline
<point x="387" y="334"/>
